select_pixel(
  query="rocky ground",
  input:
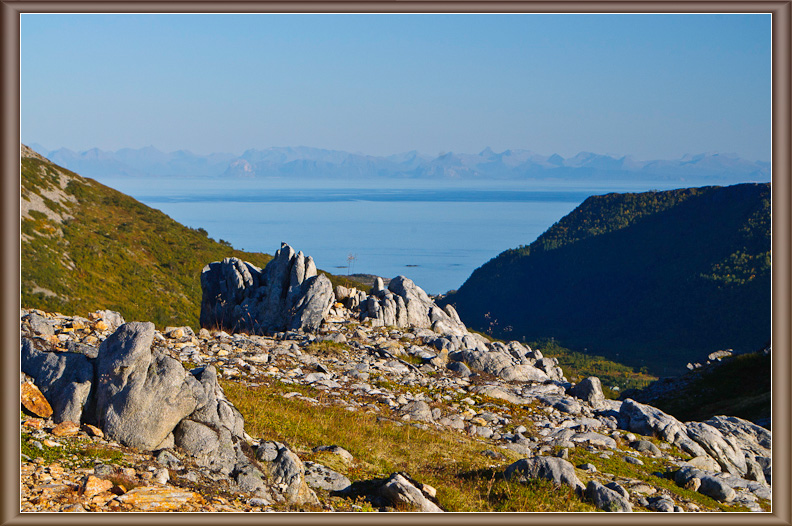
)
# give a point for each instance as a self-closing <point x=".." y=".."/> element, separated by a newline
<point x="402" y="376"/>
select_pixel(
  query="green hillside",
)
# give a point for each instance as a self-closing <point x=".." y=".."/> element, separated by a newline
<point x="654" y="279"/>
<point x="86" y="246"/>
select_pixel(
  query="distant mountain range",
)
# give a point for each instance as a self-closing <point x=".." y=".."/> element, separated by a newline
<point x="304" y="162"/>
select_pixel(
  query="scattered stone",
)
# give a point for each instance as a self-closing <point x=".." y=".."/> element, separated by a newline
<point x="65" y="429"/>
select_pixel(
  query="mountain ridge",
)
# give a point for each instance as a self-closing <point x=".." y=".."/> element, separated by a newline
<point x="656" y="278"/>
<point x="308" y="162"/>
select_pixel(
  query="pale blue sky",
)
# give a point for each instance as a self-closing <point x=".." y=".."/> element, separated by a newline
<point x="651" y="86"/>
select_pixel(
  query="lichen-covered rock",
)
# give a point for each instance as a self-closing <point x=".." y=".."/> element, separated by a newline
<point x="141" y="395"/>
<point x="34" y="401"/>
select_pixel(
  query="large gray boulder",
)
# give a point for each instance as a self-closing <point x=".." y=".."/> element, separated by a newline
<point x="65" y="380"/>
<point x="650" y="421"/>
<point x="141" y="395"/>
<point x="554" y="469"/>
<point x="606" y="498"/>
<point x="590" y="390"/>
<point x="402" y="492"/>
<point x="286" y="471"/>
<point x="287" y="294"/>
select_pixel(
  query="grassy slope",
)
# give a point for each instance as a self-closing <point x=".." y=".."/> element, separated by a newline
<point x="451" y="462"/>
<point x="656" y="279"/>
<point x="114" y="253"/>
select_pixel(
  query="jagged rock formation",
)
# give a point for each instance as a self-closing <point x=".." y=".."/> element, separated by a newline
<point x="287" y="294"/>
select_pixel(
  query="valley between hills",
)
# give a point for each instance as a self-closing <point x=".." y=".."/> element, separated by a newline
<point x="265" y="384"/>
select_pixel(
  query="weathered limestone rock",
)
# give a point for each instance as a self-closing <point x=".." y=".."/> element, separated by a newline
<point x="401" y="492"/>
<point x="607" y="499"/>
<point x="590" y="390"/>
<point x="404" y="304"/>
<point x="141" y="395"/>
<point x="286" y="471"/>
<point x="318" y="476"/>
<point x="209" y="447"/>
<point x="65" y="380"/>
<point x="288" y="294"/>
<point x="501" y="365"/>
<point x="554" y="469"/>
<point x="650" y="421"/>
<point x="725" y="452"/>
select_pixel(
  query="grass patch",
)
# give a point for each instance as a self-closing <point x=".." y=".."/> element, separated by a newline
<point x="450" y="461"/>
<point x="326" y="348"/>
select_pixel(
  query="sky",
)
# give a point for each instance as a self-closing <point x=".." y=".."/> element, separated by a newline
<point x="650" y="86"/>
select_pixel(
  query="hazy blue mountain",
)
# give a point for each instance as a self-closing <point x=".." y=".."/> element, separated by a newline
<point x="304" y="162"/>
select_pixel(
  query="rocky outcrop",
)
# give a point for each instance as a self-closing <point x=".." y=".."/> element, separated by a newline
<point x="404" y="493"/>
<point x="404" y="304"/>
<point x="287" y="294"/>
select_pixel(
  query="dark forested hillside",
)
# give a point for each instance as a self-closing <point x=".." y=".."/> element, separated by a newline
<point x="655" y="278"/>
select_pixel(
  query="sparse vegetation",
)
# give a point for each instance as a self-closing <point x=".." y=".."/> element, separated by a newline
<point x="452" y="463"/>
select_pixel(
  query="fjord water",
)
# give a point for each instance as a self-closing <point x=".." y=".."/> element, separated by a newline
<point x="435" y="233"/>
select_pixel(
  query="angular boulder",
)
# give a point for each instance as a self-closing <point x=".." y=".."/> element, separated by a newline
<point x="141" y="395"/>
<point x="590" y="390"/>
<point x="650" y="421"/>
<point x="401" y="492"/>
<point x="724" y="450"/>
<point x="606" y="498"/>
<point x="554" y="469"/>
<point x="65" y="380"/>
<point x="285" y="470"/>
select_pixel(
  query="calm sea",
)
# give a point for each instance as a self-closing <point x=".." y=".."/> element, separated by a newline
<point x="434" y="233"/>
